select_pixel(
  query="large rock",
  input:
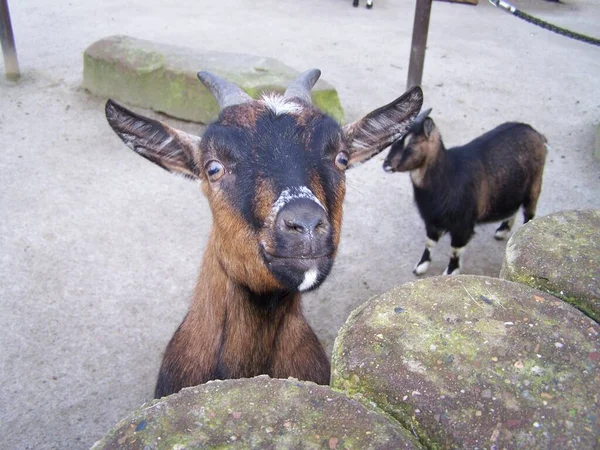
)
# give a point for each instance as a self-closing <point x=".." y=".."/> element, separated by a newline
<point x="254" y="413"/>
<point x="559" y="254"/>
<point x="163" y="77"/>
<point x="476" y="362"/>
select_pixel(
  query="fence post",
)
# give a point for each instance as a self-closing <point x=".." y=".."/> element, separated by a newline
<point x="7" y="39"/>
<point x="419" y="42"/>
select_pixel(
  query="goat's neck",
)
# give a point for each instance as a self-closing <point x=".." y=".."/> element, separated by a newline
<point x="432" y="168"/>
<point x="241" y="325"/>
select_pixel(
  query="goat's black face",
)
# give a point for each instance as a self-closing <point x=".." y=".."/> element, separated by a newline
<point x="273" y="172"/>
<point x="279" y="169"/>
<point x="410" y="152"/>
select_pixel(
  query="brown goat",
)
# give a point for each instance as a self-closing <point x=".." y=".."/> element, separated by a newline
<point x="486" y="180"/>
<point x="273" y="172"/>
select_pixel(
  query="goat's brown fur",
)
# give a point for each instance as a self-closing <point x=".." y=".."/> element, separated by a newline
<point x="245" y="318"/>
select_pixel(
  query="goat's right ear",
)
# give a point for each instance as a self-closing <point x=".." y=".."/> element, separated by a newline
<point x="377" y="130"/>
<point x="171" y="149"/>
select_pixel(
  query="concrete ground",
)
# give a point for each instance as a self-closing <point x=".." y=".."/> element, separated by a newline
<point x="99" y="249"/>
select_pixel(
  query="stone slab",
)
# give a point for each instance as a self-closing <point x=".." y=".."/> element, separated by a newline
<point x="476" y="362"/>
<point x="559" y="254"/>
<point x="163" y="77"/>
<point x="254" y="413"/>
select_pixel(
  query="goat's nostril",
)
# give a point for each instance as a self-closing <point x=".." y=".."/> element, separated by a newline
<point x="292" y="225"/>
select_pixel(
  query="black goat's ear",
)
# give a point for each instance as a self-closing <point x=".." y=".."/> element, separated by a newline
<point x="377" y="130"/>
<point x="171" y="149"/>
<point x="428" y="127"/>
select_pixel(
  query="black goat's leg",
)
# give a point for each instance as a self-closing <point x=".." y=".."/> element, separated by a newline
<point x="504" y="229"/>
<point x="458" y="243"/>
<point x="433" y="236"/>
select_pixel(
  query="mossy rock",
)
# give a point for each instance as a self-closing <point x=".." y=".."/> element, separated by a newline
<point x="163" y="77"/>
<point x="260" y="413"/>
<point x="559" y="254"/>
<point x="476" y="362"/>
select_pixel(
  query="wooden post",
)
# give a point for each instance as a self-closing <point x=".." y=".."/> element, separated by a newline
<point x="419" y="42"/>
<point x="11" y="64"/>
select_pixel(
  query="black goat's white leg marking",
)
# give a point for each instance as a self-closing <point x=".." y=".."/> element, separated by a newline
<point x="369" y="4"/>
<point x="459" y="241"/>
<point x="423" y="264"/>
<point x="504" y="228"/>
<point x="454" y="264"/>
<point x="432" y="239"/>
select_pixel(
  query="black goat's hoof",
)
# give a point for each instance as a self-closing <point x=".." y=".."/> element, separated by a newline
<point x="355" y="3"/>
<point x="369" y="5"/>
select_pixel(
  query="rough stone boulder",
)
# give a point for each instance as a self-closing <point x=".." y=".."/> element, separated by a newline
<point x="260" y="413"/>
<point x="476" y="362"/>
<point x="163" y="77"/>
<point x="559" y="254"/>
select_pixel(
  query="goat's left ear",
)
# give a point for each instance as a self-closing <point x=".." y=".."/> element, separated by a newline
<point x="171" y="149"/>
<point x="377" y="130"/>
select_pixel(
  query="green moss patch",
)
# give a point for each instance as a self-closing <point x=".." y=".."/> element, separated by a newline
<point x="163" y="77"/>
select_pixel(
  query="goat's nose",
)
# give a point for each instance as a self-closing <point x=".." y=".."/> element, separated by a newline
<point x="303" y="216"/>
<point x="387" y="167"/>
<point x="303" y="230"/>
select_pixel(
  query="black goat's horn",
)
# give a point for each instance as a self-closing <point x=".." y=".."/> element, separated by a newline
<point x="301" y="86"/>
<point x="225" y="92"/>
<point x="422" y="116"/>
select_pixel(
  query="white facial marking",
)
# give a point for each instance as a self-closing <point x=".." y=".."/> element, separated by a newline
<point x="280" y="105"/>
<point x="290" y="194"/>
<point x="420" y="269"/>
<point x="310" y="278"/>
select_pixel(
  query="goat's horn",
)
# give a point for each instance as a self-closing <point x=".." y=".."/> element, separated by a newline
<point x="226" y="93"/>
<point x="301" y="86"/>
<point x="422" y="115"/>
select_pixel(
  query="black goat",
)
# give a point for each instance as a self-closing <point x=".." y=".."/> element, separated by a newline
<point x="486" y="180"/>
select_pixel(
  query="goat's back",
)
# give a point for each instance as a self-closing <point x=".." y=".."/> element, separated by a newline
<point x="501" y="166"/>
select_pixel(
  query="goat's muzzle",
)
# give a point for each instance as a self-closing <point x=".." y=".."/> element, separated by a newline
<point x="302" y="249"/>
<point x="388" y="167"/>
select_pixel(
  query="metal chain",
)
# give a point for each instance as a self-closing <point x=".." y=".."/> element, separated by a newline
<point x="540" y="23"/>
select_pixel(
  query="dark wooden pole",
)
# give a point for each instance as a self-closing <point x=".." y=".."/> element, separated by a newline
<point x="419" y="42"/>
<point x="7" y="39"/>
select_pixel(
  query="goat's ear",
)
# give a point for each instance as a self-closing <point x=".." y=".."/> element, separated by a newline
<point x="377" y="130"/>
<point x="171" y="149"/>
<point x="428" y="127"/>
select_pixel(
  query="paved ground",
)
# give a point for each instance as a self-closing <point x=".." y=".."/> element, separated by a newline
<point x="99" y="249"/>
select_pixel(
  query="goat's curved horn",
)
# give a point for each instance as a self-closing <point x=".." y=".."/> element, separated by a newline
<point x="301" y="86"/>
<point x="422" y="116"/>
<point x="225" y="92"/>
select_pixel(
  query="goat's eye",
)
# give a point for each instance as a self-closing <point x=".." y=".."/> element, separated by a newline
<point x="341" y="160"/>
<point x="214" y="170"/>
